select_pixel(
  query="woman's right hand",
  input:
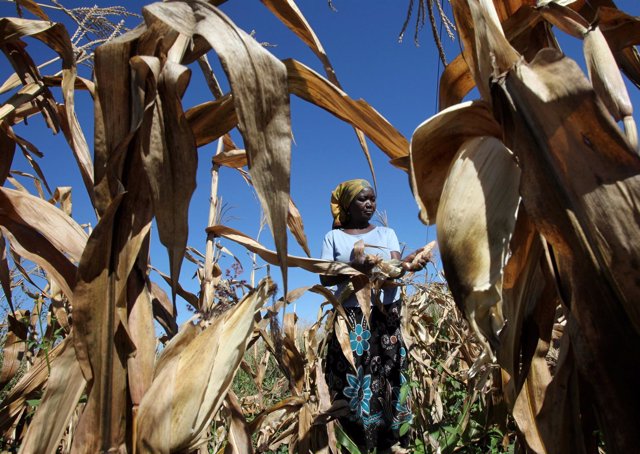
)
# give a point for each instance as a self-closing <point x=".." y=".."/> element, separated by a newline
<point x="363" y="263"/>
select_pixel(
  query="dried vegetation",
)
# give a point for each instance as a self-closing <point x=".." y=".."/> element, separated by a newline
<point x="534" y="189"/>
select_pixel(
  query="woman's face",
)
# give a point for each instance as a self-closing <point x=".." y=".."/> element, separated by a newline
<point x="363" y="206"/>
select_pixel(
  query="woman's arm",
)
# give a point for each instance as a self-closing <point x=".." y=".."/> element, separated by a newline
<point x="364" y="265"/>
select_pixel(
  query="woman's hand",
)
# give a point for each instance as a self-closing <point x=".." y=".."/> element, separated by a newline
<point x="363" y="263"/>
<point x="416" y="261"/>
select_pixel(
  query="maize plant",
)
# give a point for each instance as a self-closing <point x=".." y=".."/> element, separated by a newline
<point x="528" y="246"/>
<point x="534" y="190"/>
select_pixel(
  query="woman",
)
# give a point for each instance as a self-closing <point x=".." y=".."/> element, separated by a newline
<point x="373" y="390"/>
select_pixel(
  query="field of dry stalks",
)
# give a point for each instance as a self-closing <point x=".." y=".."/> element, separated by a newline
<point x="534" y="188"/>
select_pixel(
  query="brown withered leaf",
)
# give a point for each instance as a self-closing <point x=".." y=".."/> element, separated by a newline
<point x="623" y="34"/>
<point x="234" y="159"/>
<point x="15" y="345"/>
<point x="239" y="438"/>
<point x="62" y="195"/>
<point x="530" y="302"/>
<point x="310" y="86"/>
<point x="64" y="388"/>
<point x="163" y="310"/>
<point x="260" y="99"/>
<point x="434" y="145"/>
<point x="7" y="150"/>
<point x="288" y="405"/>
<point x="522" y="287"/>
<point x="102" y="338"/>
<point x="51" y="222"/>
<point x="314" y="265"/>
<point x="56" y="37"/>
<point x="212" y="119"/>
<point x="141" y="364"/>
<point x="294" y="221"/>
<point x="33" y="7"/>
<point x="464" y="25"/>
<point x="32" y="245"/>
<point x="169" y="152"/>
<point x="581" y="186"/>
<point x="30" y="383"/>
<point x="289" y="13"/>
<point x="456" y="81"/>
<point x="188" y="391"/>
<point x="475" y="221"/>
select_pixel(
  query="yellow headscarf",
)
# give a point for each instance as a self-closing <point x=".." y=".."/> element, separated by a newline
<point x="341" y="198"/>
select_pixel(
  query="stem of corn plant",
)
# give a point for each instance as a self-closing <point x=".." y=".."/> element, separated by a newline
<point x="206" y="293"/>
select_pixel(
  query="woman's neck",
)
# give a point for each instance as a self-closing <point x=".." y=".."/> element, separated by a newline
<point x="355" y="228"/>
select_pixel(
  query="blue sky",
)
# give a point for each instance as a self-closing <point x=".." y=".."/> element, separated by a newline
<point x="397" y="79"/>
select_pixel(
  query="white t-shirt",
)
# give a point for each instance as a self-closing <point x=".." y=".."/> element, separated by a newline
<point x="338" y="246"/>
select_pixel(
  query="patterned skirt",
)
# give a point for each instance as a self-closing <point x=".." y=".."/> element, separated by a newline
<point x="373" y="390"/>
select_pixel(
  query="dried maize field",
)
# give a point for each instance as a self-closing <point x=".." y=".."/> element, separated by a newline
<point x="529" y="171"/>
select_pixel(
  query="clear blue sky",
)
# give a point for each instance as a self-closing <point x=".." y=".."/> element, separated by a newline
<point x="361" y="38"/>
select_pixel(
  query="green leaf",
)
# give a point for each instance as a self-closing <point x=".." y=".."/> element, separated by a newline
<point x="344" y="440"/>
<point x="404" y="392"/>
<point x="404" y="428"/>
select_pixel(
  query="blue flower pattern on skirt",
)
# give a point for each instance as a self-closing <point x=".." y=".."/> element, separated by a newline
<point x="359" y="338"/>
<point x="358" y="392"/>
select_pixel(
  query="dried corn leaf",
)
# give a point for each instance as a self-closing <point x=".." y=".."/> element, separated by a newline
<point x="275" y="413"/>
<point x="186" y="393"/>
<point x="466" y="33"/>
<point x="239" y="438"/>
<point x="54" y="224"/>
<point x="259" y="86"/>
<point x="29" y="384"/>
<point x="140" y="366"/>
<point x="310" y="86"/>
<point x="455" y="83"/>
<point x="33" y="7"/>
<point x="101" y="340"/>
<point x="314" y="265"/>
<point x="495" y="54"/>
<point x="56" y="37"/>
<point x="581" y="188"/>
<point x="7" y="150"/>
<point x="169" y="152"/>
<point x="163" y="310"/>
<point x="232" y="158"/>
<point x="294" y="221"/>
<point x="530" y="301"/>
<point x="14" y="347"/>
<point x="622" y="33"/>
<point x="434" y="145"/>
<point x="475" y="220"/>
<point x="65" y="385"/>
<point x="31" y="245"/>
<point x="522" y="287"/>
<point x="289" y="13"/>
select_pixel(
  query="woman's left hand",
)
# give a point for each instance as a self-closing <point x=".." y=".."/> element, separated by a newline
<point x="417" y="260"/>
